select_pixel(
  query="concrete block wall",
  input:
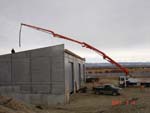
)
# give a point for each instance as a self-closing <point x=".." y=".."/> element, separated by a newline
<point x="5" y="69"/>
<point x="78" y="79"/>
<point x="38" y="73"/>
<point x="40" y="76"/>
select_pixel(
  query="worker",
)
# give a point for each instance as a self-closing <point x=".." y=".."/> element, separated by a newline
<point x="12" y="51"/>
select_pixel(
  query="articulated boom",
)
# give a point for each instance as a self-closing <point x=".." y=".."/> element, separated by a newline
<point x="83" y="44"/>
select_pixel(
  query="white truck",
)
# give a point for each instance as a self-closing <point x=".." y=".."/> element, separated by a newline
<point x="126" y="81"/>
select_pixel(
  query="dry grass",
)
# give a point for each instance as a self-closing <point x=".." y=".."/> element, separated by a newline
<point x="88" y="103"/>
<point x="102" y="81"/>
<point x="91" y="103"/>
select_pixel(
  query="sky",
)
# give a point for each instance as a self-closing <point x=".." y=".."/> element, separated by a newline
<point x="119" y="28"/>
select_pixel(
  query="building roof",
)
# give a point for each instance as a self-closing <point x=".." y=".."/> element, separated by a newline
<point x="73" y="54"/>
<point x="65" y="50"/>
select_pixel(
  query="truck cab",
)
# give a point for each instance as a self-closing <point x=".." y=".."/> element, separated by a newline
<point x="123" y="81"/>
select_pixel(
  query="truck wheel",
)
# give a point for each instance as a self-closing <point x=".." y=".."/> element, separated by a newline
<point x="114" y="93"/>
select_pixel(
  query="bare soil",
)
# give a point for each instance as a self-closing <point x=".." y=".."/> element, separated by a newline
<point x="92" y="103"/>
<point x="88" y="102"/>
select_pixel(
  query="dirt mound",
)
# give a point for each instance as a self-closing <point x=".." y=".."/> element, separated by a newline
<point x="10" y="105"/>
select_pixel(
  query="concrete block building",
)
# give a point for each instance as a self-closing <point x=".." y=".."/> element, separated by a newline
<point x="41" y="76"/>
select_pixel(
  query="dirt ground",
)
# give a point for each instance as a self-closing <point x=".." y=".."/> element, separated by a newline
<point x="131" y="100"/>
<point x="92" y="103"/>
<point x="87" y="103"/>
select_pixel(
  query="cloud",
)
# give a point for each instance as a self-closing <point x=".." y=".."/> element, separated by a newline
<point x="108" y="25"/>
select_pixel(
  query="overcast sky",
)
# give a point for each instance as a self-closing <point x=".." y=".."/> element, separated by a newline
<point x="120" y="28"/>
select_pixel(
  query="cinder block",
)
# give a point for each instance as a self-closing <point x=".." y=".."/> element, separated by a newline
<point x="56" y="99"/>
<point x="39" y="99"/>
<point x="42" y="52"/>
<point x="58" y="69"/>
<point x="38" y="89"/>
<point x="23" y="54"/>
<point x="26" y="88"/>
<point x="41" y="69"/>
<point x="58" y="50"/>
<point x="21" y="70"/>
<point x="58" y="88"/>
<point x="5" y="69"/>
<point x="9" y="89"/>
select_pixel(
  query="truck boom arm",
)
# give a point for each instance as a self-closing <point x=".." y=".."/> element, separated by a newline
<point x="83" y="44"/>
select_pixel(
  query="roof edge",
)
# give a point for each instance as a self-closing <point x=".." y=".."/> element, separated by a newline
<point x="73" y="54"/>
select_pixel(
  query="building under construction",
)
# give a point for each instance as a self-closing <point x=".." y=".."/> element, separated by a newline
<point x="41" y="76"/>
